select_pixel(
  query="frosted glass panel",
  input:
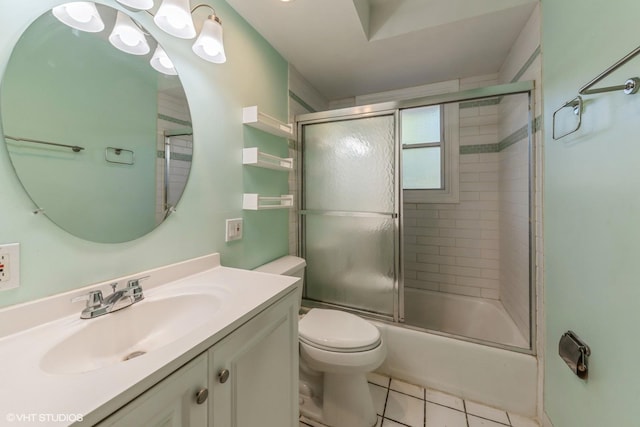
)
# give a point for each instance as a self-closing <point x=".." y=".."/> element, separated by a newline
<point x="350" y="261"/>
<point x="421" y="168"/>
<point x="349" y="165"/>
<point x="421" y="125"/>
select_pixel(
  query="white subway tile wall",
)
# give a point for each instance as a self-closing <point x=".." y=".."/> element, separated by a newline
<point x="522" y="64"/>
<point x="455" y="248"/>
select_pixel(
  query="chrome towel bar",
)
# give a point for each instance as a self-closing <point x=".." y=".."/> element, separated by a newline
<point x="74" y="148"/>
<point x="630" y="87"/>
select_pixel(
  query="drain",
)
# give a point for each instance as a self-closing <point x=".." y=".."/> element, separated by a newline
<point x="134" y="355"/>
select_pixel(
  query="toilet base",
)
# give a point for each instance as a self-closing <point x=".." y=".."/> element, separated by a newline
<point x="346" y="402"/>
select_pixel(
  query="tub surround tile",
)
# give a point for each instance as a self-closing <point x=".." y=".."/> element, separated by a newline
<point x="487" y="412"/>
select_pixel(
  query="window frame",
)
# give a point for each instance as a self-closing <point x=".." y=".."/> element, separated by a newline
<point x="439" y="144"/>
<point x="450" y="158"/>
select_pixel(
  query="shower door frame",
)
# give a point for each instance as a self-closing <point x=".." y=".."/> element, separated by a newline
<point x="394" y="107"/>
<point x="398" y="283"/>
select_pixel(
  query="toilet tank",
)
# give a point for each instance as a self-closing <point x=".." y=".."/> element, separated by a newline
<point x="286" y="266"/>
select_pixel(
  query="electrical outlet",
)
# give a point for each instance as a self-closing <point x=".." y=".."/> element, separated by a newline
<point x="233" y="229"/>
<point x="9" y="266"/>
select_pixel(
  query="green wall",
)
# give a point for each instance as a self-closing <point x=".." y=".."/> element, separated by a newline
<point x="592" y="214"/>
<point x="54" y="261"/>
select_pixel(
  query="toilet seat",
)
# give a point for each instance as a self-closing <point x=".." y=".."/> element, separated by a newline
<point x="337" y="331"/>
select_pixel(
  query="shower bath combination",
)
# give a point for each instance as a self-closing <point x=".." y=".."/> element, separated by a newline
<point x="380" y="244"/>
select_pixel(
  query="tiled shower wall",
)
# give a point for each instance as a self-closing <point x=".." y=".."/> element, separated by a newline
<point x="454" y="247"/>
<point x="522" y="64"/>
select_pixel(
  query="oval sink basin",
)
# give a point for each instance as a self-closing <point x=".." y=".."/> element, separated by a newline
<point x="128" y="333"/>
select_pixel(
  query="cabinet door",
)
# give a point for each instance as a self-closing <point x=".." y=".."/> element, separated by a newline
<point x="261" y="359"/>
<point x="170" y="403"/>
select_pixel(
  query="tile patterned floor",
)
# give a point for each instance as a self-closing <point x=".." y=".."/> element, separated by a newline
<point x="399" y="404"/>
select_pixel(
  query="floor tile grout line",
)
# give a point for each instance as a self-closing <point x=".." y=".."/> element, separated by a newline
<point x="491" y="419"/>
<point x="424" y="418"/>
<point x="425" y="397"/>
<point x="395" y="421"/>
<point x="466" y="415"/>
<point x="386" y="399"/>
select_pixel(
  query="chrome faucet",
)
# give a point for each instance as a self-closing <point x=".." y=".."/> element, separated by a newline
<point x="117" y="300"/>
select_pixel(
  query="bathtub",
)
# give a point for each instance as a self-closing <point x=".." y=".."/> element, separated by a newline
<point x="494" y="376"/>
<point x="477" y="318"/>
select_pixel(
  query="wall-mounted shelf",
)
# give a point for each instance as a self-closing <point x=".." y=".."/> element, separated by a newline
<point x="255" y="157"/>
<point x="256" y="202"/>
<point x="259" y="120"/>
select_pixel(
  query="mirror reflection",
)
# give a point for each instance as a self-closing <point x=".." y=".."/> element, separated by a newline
<point x="97" y="126"/>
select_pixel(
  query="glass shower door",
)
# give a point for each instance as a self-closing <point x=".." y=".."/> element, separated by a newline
<point x="350" y="213"/>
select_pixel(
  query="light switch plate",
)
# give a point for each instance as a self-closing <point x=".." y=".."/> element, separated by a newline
<point x="9" y="266"/>
<point x="233" y="229"/>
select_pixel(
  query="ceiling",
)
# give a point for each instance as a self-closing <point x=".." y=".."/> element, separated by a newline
<point x="346" y="48"/>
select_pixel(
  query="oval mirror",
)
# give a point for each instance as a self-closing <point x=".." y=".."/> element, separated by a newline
<point x="100" y="138"/>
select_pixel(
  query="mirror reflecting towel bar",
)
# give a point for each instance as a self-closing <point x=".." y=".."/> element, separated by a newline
<point x="74" y="148"/>
<point x="121" y="156"/>
<point x="630" y="87"/>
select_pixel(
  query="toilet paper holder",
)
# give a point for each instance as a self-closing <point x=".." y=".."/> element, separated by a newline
<point x="575" y="353"/>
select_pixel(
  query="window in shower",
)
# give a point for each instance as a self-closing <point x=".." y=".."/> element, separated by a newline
<point x="429" y="141"/>
<point x="422" y="140"/>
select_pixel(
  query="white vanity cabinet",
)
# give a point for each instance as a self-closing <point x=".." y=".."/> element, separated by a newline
<point x="251" y="377"/>
<point x="254" y="372"/>
<point x="172" y="402"/>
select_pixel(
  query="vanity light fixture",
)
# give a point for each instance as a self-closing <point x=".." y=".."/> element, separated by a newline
<point x="81" y="15"/>
<point x="173" y="17"/>
<point x="127" y="37"/>
<point x="137" y="4"/>
<point x="161" y="62"/>
<point x="209" y="45"/>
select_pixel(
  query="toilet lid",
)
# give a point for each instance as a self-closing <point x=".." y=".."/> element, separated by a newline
<point x="338" y="331"/>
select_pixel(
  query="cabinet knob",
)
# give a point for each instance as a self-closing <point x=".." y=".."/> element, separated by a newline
<point x="201" y="396"/>
<point x="223" y="375"/>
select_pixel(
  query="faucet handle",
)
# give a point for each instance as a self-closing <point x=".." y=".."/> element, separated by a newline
<point x="93" y="299"/>
<point x="133" y="286"/>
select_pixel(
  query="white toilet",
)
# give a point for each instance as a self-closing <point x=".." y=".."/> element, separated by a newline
<point x="337" y="349"/>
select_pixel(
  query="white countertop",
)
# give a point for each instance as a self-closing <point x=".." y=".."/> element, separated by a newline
<point x="31" y="396"/>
